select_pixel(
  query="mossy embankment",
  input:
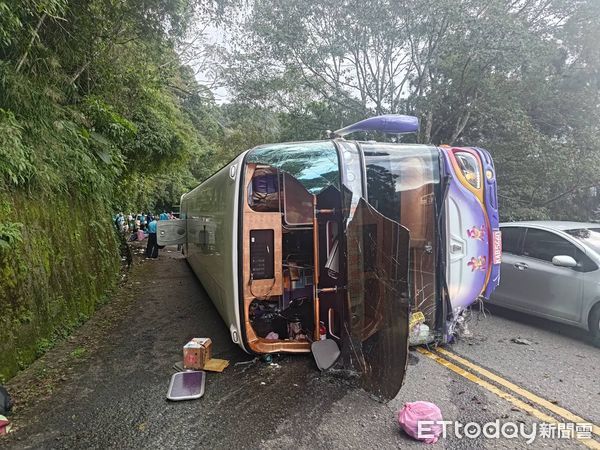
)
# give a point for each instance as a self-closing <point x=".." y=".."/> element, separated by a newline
<point x="98" y="114"/>
<point x="58" y="261"/>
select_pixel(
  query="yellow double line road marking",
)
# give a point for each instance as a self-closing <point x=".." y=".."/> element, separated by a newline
<point x="562" y="412"/>
<point x="565" y="414"/>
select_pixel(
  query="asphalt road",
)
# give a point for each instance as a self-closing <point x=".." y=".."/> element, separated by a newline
<point x="105" y="387"/>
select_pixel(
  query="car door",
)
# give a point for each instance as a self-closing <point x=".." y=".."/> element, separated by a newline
<point x="543" y="288"/>
<point x="508" y="292"/>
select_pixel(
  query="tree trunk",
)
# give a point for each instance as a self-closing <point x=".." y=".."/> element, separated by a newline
<point x="31" y="41"/>
<point x="428" y="126"/>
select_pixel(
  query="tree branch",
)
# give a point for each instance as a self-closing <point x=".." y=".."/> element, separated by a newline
<point x="32" y="40"/>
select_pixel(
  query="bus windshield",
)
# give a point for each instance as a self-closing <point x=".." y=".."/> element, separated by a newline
<point x="402" y="183"/>
<point x="314" y="164"/>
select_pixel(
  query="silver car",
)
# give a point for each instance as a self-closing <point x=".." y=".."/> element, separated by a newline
<point x="551" y="269"/>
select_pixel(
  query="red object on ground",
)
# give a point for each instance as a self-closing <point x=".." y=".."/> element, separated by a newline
<point x="4" y="425"/>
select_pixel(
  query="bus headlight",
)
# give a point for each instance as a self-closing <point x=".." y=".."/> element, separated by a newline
<point x="469" y="166"/>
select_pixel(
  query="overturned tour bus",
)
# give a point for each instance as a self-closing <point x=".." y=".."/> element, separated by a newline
<point x="361" y="245"/>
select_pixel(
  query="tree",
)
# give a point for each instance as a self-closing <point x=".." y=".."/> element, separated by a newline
<point x="519" y="77"/>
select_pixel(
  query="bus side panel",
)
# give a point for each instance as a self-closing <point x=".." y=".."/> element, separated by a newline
<point x="211" y="211"/>
<point x="491" y="206"/>
<point x="468" y="248"/>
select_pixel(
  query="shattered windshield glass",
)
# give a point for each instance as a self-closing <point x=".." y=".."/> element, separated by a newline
<point x="376" y="325"/>
<point x="378" y="293"/>
<point x="314" y="164"/>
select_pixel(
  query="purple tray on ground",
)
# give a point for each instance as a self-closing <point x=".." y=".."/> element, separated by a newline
<point x="187" y="385"/>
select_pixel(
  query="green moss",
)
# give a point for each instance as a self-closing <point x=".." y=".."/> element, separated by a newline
<point x="53" y="277"/>
<point x="79" y="352"/>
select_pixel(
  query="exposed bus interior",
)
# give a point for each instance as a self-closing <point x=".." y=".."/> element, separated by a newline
<point x="291" y="282"/>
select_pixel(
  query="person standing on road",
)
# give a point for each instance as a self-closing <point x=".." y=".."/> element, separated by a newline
<point x="131" y="222"/>
<point x="152" y="247"/>
<point x="119" y="222"/>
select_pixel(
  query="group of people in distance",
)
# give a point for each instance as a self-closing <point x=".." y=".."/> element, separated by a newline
<point x="142" y="225"/>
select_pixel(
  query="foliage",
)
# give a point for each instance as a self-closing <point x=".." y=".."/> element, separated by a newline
<point x="97" y="113"/>
<point x="517" y="77"/>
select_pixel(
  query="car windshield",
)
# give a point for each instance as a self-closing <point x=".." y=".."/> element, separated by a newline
<point x="588" y="236"/>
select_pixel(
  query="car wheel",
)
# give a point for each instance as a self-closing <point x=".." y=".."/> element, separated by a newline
<point x="594" y="324"/>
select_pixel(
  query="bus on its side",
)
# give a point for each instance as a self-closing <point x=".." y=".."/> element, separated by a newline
<point x="345" y="240"/>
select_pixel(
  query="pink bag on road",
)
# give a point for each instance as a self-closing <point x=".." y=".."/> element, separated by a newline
<point x="413" y="413"/>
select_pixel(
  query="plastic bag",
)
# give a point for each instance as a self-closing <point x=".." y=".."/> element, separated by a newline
<point x="5" y="425"/>
<point x="413" y="413"/>
<point x="5" y="401"/>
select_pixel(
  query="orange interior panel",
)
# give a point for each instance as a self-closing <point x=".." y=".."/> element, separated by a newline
<point x="253" y="220"/>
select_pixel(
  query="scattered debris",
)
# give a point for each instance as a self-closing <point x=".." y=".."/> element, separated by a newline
<point x="325" y="352"/>
<point x="413" y="359"/>
<point x="521" y="341"/>
<point x="272" y="336"/>
<point x="419" y="332"/>
<point x="196" y="353"/>
<point x="5" y="401"/>
<point x="413" y="413"/>
<point x="187" y="385"/>
<point x="243" y="363"/>
<point x="263" y="383"/>
<point x="416" y="318"/>
<point x="213" y="365"/>
<point x="462" y="327"/>
<point x="5" y="425"/>
<point x="216" y="365"/>
<point x="476" y="400"/>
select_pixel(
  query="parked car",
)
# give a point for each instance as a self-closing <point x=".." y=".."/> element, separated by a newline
<point x="551" y="269"/>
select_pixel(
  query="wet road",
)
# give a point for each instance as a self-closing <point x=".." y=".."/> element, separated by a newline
<point x="110" y="381"/>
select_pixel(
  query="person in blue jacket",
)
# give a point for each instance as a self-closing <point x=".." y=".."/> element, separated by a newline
<point x="152" y="247"/>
